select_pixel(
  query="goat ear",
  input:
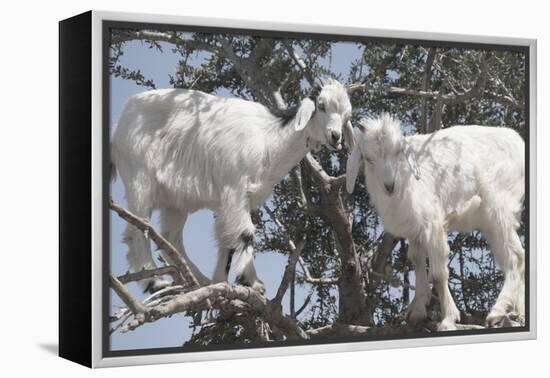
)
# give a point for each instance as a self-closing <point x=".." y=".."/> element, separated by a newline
<point x="304" y="114"/>
<point x="352" y="168"/>
<point x="349" y="138"/>
<point x="411" y="159"/>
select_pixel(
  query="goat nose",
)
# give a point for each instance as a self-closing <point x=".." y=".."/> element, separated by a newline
<point x="336" y="136"/>
<point x="389" y="187"/>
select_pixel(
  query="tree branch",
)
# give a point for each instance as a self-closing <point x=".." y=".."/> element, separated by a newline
<point x="299" y="62"/>
<point x="304" y="305"/>
<point x="337" y="329"/>
<point x="222" y="296"/>
<point x="506" y="100"/>
<point x="168" y="37"/>
<point x="387" y="243"/>
<point x="162" y="243"/>
<point x="134" y="305"/>
<point x="475" y="91"/>
<point x="449" y="99"/>
<point x="290" y="269"/>
<point x="381" y="68"/>
<point x="319" y="174"/>
<point x="295" y="251"/>
<point x="352" y="87"/>
<point x="347" y="330"/>
<point x="150" y="273"/>
<point x="425" y="85"/>
<point x="413" y="92"/>
<point x="315" y="281"/>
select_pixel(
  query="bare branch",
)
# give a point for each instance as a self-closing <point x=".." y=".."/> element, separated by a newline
<point x="506" y="100"/>
<point x="315" y="281"/>
<point x="449" y="99"/>
<point x="289" y="270"/>
<point x="346" y="330"/>
<point x="151" y="300"/>
<point x="122" y="36"/>
<point x="338" y="182"/>
<point x="467" y="327"/>
<point x="425" y="84"/>
<point x="222" y="296"/>
<point x="304" y="305"/>
<point x="295" y="251"/>
<point x="299" y="62"/>
<point x="337" y="329"/>
<point x="305" y="196"/>
<point x="150" y="273"/>
<point x="130" y="35"/>
<point x="380" y="69"/>
<point x="134" y="305"/>
<point x="352" y="87"/>
<point x="475" y="91"/>
<point x="297" y="176"/>
<point x="162" y="243"/>
<point x="319" y="174"/>
<point x="279" y="101"/>
<point x="413" y="92"/>
<point x="386" y="244"/>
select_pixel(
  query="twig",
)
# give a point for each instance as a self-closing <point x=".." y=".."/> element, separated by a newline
<point x="316" y="281"/>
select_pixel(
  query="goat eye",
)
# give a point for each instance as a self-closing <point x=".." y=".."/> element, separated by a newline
<point x="321" y="106"/>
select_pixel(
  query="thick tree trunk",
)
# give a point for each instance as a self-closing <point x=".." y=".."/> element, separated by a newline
<point x="352" y="300"/>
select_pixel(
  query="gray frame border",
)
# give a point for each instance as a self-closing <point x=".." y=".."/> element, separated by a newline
<point x="97" y="190"/>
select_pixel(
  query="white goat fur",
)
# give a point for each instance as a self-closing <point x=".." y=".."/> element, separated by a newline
<point x="470" y="178"/>
<point x="182" y="150"/>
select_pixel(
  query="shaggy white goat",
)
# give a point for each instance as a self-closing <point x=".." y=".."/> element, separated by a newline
<point x="183" y="150"/>
<point x="462" y="178"/>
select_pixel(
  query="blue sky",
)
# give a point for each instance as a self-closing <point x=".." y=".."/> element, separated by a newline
<point x="198" y="232"/>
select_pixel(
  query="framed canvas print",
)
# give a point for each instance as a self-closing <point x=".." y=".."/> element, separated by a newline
<point x="234" y="189"/>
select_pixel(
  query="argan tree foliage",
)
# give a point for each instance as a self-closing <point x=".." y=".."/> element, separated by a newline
<point x="358" y="279"/>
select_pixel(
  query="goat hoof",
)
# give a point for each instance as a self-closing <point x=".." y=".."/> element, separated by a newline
<point x="504" y="320"/>
<point x="447" y="325"/>
<point x="416" y="314"/>
<point x="497" y="318"/>
<point x="257" y="284"/>
<point x="155" y="285"/>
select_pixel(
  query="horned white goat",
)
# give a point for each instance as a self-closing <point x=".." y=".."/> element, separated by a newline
<point x="182" y="150"/>
<point x="461" y="178"/>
